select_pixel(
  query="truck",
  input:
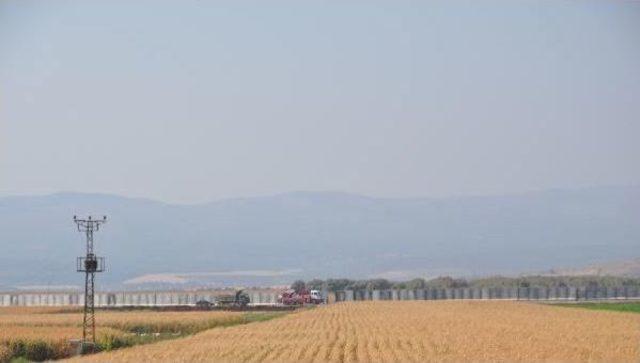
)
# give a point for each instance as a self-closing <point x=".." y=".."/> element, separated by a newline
<point x="292" y="297"/>
<point x="239" y="299"/>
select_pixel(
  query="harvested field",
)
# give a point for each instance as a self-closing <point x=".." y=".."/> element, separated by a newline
<point x="411" y="331"/>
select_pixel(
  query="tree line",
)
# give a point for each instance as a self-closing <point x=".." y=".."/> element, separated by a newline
<point x="445" y="282"/>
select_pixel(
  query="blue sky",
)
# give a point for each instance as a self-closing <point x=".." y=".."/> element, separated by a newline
<point x="189" y="101"/>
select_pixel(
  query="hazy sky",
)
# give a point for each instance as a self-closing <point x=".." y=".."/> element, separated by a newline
<point x="189" y="101"/>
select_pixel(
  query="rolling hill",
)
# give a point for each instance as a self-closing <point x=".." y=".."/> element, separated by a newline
<point x="624" y="268"/>
<point x="275" y="239"/>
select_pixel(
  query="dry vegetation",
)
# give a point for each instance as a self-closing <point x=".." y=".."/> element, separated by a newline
<point x="412" y="331"/>
<point x="45" y="342"/>
<point x="138" y="321"/>
<point x="24" y="310"/>
<point x="45" y="333"/>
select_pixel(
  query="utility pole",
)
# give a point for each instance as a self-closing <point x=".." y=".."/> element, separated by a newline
<point x="90" y="265"/>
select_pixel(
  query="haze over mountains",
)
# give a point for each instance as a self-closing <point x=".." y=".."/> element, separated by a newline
<point x="626" y="268"/>
<point x="275" y="239"/>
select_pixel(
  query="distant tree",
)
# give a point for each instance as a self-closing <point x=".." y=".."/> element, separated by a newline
<point x="416" y="284"/>
<point x="357" y="285"/>
<point x="315" y="284"/>
<point x="442" y="282"/>
<point x="494" y="281"/>
<point x="298" y="286"/>
<point x="400" y="285"/>
<point x="378" y="284"/>
<point x="334" y="285"/>
<point x="447" y="282"/>
<point x="338" y="284"/>
<point x="592" y="284"/>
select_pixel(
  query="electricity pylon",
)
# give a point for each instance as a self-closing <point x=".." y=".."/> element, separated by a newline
<point x="90" y="265"/>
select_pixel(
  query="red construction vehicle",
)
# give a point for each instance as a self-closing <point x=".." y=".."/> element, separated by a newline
<point x="291" y="297"/>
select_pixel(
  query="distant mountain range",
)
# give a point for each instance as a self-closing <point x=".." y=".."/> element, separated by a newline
<point x="275" y="239"/>
<point x="624" y="268"/>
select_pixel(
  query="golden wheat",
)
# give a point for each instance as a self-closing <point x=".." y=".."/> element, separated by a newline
<point x="125" y="320"/>
<point x="45" y="333"/>
<point x="416" y="331"/>
<point x="28" y="310"/>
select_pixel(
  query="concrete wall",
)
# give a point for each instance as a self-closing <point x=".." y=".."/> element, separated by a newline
<point x="499" y="293"/>
<point x="106" y="299"/>
<point x="265" y="296"/>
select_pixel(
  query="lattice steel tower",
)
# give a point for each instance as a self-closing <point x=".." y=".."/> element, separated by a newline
<point x="90" y="264"/>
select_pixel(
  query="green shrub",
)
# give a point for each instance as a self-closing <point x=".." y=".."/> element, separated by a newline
<point x="38" y="350"/>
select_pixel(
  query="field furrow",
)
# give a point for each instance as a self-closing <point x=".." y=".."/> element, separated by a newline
<point x="412" y="331"/>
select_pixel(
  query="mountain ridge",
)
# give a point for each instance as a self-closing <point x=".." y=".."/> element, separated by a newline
<point x="320" y="234"/>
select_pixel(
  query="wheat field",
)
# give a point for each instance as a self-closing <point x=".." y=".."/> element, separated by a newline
<point x="149" y="321"/>
<point x="411" y="331"/>
<point x="45" y="333"/>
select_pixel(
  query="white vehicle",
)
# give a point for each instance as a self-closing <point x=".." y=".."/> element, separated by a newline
<point x="316" y="297"/>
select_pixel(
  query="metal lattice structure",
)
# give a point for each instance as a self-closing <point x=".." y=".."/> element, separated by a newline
<point x="90" y="265"/>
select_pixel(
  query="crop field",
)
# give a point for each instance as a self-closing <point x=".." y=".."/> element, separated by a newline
<point x="410" y="331"/>
<point x="45" y="333"/>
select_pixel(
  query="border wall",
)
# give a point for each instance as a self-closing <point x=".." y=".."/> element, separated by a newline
<point x="269" y="297"/>
<point x="496" y="293"/>
<point x="128" y="298"/>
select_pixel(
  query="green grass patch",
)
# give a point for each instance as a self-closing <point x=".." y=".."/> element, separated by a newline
<point x="627" y="307"/>
<point x="33" y="351"/>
